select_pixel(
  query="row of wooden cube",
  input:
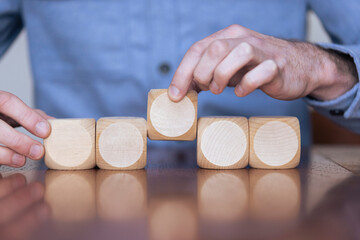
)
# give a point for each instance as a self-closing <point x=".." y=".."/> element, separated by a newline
<point x="223" y="142"/>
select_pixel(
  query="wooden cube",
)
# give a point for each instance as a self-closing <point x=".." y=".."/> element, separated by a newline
<point x="71" y="144"/>
<point x="121" y="143"/>
<point x="275" y="195"/>
<point x="167" y="120"/>
<point x="223" y="142"/>
<point x="274" y="142"/>
<point x="71" y="195"/>
<point x="223" y="195"/>
<point x="121" y="195"/>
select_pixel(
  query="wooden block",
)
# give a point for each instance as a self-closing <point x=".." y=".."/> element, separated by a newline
<point x="223" y="142"/>
<point x="223" y="195"/>
<point x="121" y="195"/>
<point x="71" y="195"/>
<point x="167" y="120"/>
<point x="121" y="143"/>
<point x="274" y="142"/>
<point x="71" y="144"/>
<point x="275" y="195"/>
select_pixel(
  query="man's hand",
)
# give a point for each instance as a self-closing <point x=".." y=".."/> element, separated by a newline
<point x="17" y="146"/>
<point x="247" y="60"/>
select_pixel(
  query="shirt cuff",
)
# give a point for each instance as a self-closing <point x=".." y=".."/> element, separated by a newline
<point x="347" y="105"/>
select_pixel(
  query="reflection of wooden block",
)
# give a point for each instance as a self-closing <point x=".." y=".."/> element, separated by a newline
<point x="71" y="194"/>
<point x="167" y="120"/>
<point x="121" y="195"/>
<point x="274" y="142"/>
<point x="173" y="217"/>
<point x="223" y="142"/>
<point x="121" y="143"/>
<point x="71" y="144"/>
<point x="274" y="194"/>
<point x="223" y="195"/>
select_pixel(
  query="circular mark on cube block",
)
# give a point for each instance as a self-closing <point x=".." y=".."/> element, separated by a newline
<point x="121" y="144"/>
<point x="223" y="143"/>
<point x="172" y="119"/>
<point x="275" y="143"/>
<point x="74" y="144"/>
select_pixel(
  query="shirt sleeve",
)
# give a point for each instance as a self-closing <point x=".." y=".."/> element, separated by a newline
<point x="340" y="19"/>
<point x="10" y="23"/>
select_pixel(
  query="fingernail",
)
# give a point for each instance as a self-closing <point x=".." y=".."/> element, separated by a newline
<point x="18" y="159"/>
<point x="37" y="191"/>
<point x="174" y="92"/>
<point x="42" y="128"/>
<point x="239" y="91"/>
<point x="214" y="86"/>
<point x="35" y="151"/>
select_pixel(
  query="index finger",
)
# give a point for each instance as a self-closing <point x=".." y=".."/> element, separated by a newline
<point x="13" y="107"/>
<point x="183" y="76"/>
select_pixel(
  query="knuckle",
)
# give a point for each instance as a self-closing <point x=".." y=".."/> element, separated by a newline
<point x="272" y="67"/>
<point x="281" y="62"/>
<point x="199" y="79"/>
<point x="249" y="83"/>
<point x="217" y="48"/>
<point x="221" y="75"/>
<point x="28" y="116"/>
<point x="196" y="49"/>
<point x="255" y="40"/>
<point x="248" y="50"/>
<point x="235" y="30"/>
<point x="5" y="98"/>
<point x="19" y="143"/>
<point x="5" y="154"/>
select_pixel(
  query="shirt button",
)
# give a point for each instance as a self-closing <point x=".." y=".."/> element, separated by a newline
<point x="337" y="112"/>
<point x="164" y="68"/>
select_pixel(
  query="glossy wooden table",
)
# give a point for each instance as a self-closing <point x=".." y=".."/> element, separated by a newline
<point x="173" y="199"/>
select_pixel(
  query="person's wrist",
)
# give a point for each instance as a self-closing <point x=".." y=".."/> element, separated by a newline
<point x="335" y="76"/>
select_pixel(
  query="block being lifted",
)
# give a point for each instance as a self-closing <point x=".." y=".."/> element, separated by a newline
<point x="121" y="143"/>
<point x="71" y="144"/>
<point x="274" y="142"/>
<point x="223" y="142"/>
<point x="167" y="120"/>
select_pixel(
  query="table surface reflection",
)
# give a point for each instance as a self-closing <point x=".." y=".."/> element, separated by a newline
<point x="173" y="199"/>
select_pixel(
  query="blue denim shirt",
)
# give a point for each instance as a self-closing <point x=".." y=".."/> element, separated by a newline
<point x="96" y="58"/>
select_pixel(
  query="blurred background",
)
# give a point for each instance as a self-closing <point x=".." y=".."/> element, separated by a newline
<point x="16" y="77"/>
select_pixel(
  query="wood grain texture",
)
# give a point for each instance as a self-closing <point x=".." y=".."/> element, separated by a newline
<point x="167" y="120"/>
<point x="71" y="144"/>
<point x="275" y="142"/>
<point x="121" y="143"/>
<point x="274" y="195"/>
<point x="222" y="142"/>
<point x="121" y="195"/>
<point x="71" y="195"/>
<point x="223" y="195"/>
<point x="347" y="156"/>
